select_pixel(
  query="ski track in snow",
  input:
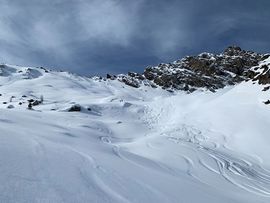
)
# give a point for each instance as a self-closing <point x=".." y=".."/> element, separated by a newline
<point x="239" y="172"/>
<point x="243" y="173"/>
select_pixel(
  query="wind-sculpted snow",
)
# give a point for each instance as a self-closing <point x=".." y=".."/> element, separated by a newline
<point x="128" y="144"/>
<point x="241" y="171"/>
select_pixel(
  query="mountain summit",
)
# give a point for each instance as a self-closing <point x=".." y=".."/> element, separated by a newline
<point x="208" y="71"/>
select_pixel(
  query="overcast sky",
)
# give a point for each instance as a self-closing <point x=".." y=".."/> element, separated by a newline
<point x="100" y="36"/>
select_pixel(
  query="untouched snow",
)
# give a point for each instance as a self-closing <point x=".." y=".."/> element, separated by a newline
<point x="128" y="144"/>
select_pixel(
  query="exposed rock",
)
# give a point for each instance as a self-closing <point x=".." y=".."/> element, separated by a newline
<point x="261" y="74"/>
<point x="108" y="76"/>
<point x="264" y="78"/>
<point x="130" y="81"/>
<point x="266" y="88"/>
<point x="30" y="106"/>
<point x="75" y="108"/>
<point x="36" y="102"/>
<point x="207" y="71"/>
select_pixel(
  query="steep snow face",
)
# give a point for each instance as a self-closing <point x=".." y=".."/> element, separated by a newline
<point x="130" y="144"/>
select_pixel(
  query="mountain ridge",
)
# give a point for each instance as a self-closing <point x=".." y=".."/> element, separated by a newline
<point x="208" y="71"/>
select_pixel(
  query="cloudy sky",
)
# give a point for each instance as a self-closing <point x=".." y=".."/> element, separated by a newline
<point x="100" y="36"/>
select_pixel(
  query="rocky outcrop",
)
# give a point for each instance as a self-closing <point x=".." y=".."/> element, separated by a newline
<point x="261" y="74"/>
<point x="208" y="71"/>
<point x="75" y="108"/>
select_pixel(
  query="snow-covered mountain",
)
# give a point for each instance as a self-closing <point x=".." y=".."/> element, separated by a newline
<point x="196" y="130"/>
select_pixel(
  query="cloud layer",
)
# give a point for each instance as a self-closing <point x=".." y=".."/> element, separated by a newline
<point x="95" y="37"/>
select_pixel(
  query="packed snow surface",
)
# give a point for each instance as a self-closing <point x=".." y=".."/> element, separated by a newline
<point x="128" y="144"/>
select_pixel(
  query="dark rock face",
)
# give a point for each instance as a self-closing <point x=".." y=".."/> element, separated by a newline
<point x="75" y="108"/>
<point x="232" y="50"/>
<point x="132" y="79"/>
<point x="261" y="74"/>
<point x="267" y="102"/>
<point x="208" y="71"/>
<point x="36" y="102"/>
<point x="266" y="88"/>
<point x="264" y="78"/>
<point x="108" y="76"/>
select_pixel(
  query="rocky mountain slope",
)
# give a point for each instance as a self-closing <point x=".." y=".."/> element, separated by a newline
<point x="207" y="71"/>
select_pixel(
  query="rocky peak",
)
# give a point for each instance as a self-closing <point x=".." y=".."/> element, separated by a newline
<point x="232" y="51"/>
<point x="206" y="70"/>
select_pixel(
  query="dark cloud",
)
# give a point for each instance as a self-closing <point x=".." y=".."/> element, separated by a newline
<point x="95" y="37"/>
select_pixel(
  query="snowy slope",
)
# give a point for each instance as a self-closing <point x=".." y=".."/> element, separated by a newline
<point x="130" y="144"/>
